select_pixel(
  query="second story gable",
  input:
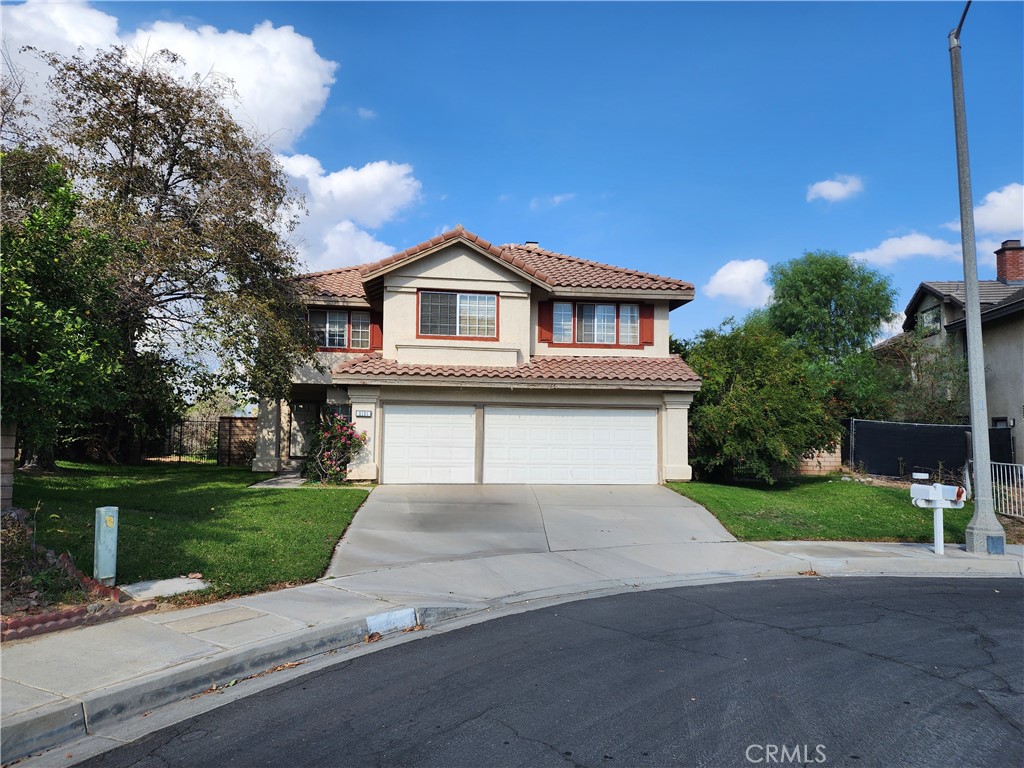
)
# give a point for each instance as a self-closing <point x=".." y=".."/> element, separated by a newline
<point x="459" y="300"/>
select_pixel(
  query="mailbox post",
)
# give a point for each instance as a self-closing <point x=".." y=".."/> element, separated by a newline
<point x="936" y="497"/>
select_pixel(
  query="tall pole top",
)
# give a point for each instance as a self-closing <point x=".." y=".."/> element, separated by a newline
<point x="954" y="36"/>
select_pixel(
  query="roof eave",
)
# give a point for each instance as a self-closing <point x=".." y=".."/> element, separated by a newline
<point x="327" y="300"/>
<point x="490" y="382"/>
<point x="995" y="313"/>
<point x="911" y="309"/>
<point x="429" y="251"/>
<point x="676" y="296"/>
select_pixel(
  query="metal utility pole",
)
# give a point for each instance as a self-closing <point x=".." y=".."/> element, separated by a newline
<point x="984" y="533"/>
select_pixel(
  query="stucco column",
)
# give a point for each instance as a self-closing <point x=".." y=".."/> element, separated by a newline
<point x="675" y="418"/>
<point x="366" y="415"/>
<point x="268" y="437"/>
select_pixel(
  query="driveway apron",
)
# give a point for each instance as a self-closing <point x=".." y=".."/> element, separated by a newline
<point x="409" y="524"/>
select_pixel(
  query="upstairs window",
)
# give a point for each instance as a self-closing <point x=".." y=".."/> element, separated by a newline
<point x="340" y="329"/>
<point x="930" y="320"/>
<point x="458" y="315"/>
<point x="585" y="323"/>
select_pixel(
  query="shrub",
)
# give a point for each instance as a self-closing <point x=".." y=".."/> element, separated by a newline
<point x="333" y="444"/>
<point x="757" y="409"/>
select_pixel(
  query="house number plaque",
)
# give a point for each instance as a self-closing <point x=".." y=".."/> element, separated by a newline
<point x="364" y="414"/>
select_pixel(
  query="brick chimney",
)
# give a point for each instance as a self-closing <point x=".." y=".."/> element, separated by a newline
<point x="1010" y="263"/>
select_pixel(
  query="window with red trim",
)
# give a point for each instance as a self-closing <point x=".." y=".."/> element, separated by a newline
<point x="596" y="324"/>
<point x="458" y="315"/>
<point x="340" y="329"/>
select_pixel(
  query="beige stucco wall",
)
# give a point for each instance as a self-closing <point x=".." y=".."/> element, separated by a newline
<point x="458" y="268"/>
<point x="1004" y="373"/>
<point x="307" y="374"/>
<point x="658" y="349"/>
<point x="673" y="411"/>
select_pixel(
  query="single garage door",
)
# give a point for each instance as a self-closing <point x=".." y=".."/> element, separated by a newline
<point x="429" y="444"/>
<point x="567" y="446"/>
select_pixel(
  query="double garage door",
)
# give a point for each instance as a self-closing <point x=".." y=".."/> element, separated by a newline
<point x="564" y="446"/>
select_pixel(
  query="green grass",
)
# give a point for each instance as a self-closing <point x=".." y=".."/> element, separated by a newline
<point x="178" y="520"/>
<point x="822" y="509"/>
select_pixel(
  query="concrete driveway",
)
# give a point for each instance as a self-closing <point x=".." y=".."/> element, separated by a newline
<point x="407" y="524"/>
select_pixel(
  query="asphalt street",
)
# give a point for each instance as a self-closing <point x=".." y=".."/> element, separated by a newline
<point x="815" y="671"/>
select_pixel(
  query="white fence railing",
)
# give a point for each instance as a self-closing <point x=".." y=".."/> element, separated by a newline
<point x="1008" y="488"/>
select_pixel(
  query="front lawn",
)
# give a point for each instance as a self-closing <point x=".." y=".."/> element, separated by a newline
<point x="824" y="509"/>
<point x="176" y="520"/>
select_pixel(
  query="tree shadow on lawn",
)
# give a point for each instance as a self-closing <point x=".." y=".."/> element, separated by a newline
<point x="241" y="539"/>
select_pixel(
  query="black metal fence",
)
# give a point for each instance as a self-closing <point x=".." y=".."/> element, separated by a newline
<point x="895" y="449"/>
<point x="193" y="441"/>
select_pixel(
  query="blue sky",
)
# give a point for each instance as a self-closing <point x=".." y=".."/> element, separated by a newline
<point x="705" y="141"/>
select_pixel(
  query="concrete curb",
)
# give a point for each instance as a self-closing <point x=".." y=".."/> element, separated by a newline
<point x="54" y="724"/>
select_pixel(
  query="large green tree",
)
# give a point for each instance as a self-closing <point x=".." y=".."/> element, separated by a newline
<point x="758" y="408"/>
<point x="829" y="305"/>
<point x="205" y="299"/>
<point x="60" y="350"/>
<point x="833" y="308"/>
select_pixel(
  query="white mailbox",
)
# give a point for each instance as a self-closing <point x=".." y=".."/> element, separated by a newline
<point x="937" y="497"/>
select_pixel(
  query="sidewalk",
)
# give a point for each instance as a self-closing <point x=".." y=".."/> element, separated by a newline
<point x="62" y="686"/>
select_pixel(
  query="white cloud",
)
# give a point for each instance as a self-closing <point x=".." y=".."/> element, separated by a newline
<point x="839" y="188"/>
<point x="892" y="328"/>
<point x="368" y="196"/>
<point x="1001" y="213"/>
<point x="910" y="246"/>
<point x="342" y="202"/>
<point x="741" y="282"/>
<point x="282" y="82"/>
<point x="986" y="250"/>
<point x="345" y="244"/>
<point x="58" y="27"/>
<point x="540" y="203"/>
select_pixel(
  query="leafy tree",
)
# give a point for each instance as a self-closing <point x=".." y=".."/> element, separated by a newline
<point x="757" y="408"/>
<point x="204" y="291"/>
<point x="60" y="353"/>
<point x="929" y="382"/>
<point x="831" y="306"/>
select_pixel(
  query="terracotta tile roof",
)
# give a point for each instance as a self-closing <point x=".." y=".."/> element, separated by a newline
<point x="500" y="252"/>
<point x="624" y="370"/>
<point x="570" y="272"/>
<point x="344" y="283"/>
<point x="555" y="270"/>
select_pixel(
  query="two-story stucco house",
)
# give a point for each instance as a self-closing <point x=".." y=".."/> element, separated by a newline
<point x="937" y="309"/>
<point x="467" y="362"/>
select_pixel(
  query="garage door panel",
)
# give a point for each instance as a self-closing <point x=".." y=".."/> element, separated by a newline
<point x="570" y="445"/>
<point x="429" y="444"/>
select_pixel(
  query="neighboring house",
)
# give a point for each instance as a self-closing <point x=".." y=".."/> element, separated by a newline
<point x="938" y="309"/>
<point x="467" y="362"/>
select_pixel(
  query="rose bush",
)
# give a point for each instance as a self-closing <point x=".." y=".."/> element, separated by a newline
<point x="333" y="444"/>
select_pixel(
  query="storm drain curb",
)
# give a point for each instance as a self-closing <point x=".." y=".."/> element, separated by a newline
<point x="59" y="722"/>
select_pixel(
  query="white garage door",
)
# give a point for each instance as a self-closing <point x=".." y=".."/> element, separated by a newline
<point x="429" y="444"/>
<point x="566" y="446"/>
